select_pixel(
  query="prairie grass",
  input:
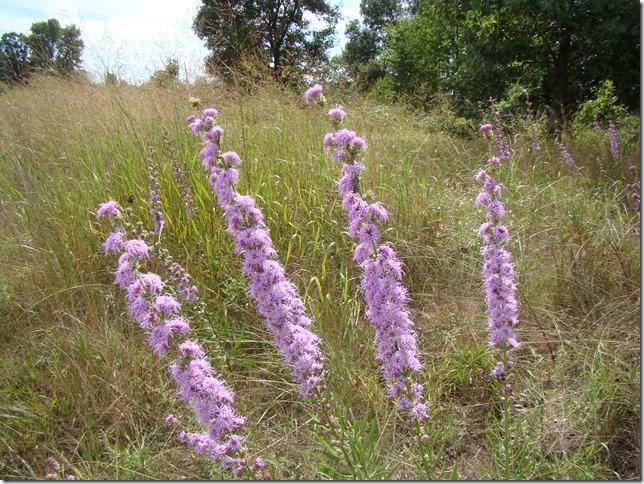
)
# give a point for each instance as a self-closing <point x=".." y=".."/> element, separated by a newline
<point x="78" y="383"/>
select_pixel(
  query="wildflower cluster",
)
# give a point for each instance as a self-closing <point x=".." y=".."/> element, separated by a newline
<point x="613" y="139"/>
<point x="635" y="186"/>
<point x="151" y="302"/>
<point x="567" y="157"/>
<point x="56" y="471"/>
<point x="499" y="139"/>
<point x="274" y="295"/>
<point x="498" y="274"/>
<point x="381" y="284"/>
<point x="156" y="212"/>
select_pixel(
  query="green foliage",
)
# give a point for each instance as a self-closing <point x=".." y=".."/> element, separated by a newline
<point x="382" y="91"/>
<point x="361" y="47"/>
<point x="53" y="47"/>
<point x="362" y="54"/>
<point x="48" y="48"/>
<point x="168" y="75"/>
<point x="276" y="33"/>
<point x="481" y="50"/>
<point x="602" y="106"/>
<point x="14" y="54"/>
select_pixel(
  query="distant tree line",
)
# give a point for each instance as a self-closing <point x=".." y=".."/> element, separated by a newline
<point x="553" y="52"/>
<point x="556" y="52"/>
<point x="47" y="48"/>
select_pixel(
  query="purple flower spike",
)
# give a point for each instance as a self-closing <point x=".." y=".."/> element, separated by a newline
<point x="199" y="386"/>
<point x="498" y="273"/>
<point x="614" y="139"/>
<point x="381" y="283"/>
<point x="567" y="158"/>
<point x="275" y="297"/>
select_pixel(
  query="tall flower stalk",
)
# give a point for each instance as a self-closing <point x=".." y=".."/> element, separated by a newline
<point x="151" y="302"/>
<point x="499" y="139"/>
<point x="381" y="283"/>
<point x="498" y="275"/>
<point x="568" y="161"/>
<point x="635" y="186"/>
<point x="275" y="296"/>
<point x="499" y="286"/>
<point x="156" y="211"/>
<point x="613" y="138"/>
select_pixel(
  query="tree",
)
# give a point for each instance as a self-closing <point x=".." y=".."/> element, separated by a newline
<point x="365" y="41"/>
<point x="53" y="47"/>
<point x="168" y="75"/>
<point x="277" y="33"/>
<point x="559" y="50"/>
<point x="14" y="54"/>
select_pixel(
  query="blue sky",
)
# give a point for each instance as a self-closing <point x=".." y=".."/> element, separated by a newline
<point x="131" y="37"/>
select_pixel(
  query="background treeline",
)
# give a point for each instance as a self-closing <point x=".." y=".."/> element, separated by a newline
<point x="47" y="48"/>
<point x="545" y="55"/>
<point x="552" y="54"/>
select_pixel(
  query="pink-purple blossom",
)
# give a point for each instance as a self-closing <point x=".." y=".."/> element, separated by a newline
<point x="114" y="242"/>
<point x="337" y="114"/>
<point x="109" y="209"/>
<point x="275" y="296"/>
<point x="199" y="386"/>
<point x="381" y="283"/>
<point x="231" y="158"/>
<point x="498" y="274"/>
<point x="485" y="128"/>
<point x="312" y="93"/>
<point x="613" y="139"/>
<point x="137" y="249"/>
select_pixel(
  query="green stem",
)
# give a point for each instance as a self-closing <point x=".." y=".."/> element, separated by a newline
<point x="506" y="422"/>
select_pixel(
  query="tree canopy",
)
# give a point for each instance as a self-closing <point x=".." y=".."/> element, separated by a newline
<point x="278" y="33"/>
<point x="558" y="51"/>
<point x="14" y="54"/>
<point x="47" y="48"/>
<point x="365" y="41"/>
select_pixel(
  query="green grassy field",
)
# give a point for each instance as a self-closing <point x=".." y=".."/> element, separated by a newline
<point x="78" y="382"/>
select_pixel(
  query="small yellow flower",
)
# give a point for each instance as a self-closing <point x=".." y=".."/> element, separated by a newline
<point x="195" y="102"/>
